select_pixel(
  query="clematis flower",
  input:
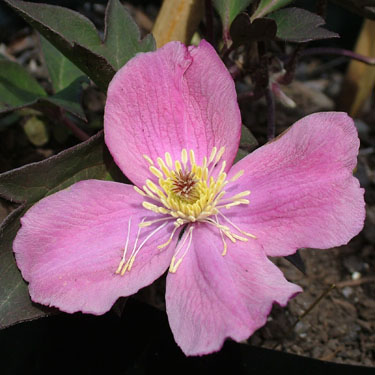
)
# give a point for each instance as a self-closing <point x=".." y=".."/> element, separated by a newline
<point x="172" y="124"/>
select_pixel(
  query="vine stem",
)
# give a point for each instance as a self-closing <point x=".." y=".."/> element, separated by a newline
<point x="79" y="133"/>
<point x="338" y="51"/>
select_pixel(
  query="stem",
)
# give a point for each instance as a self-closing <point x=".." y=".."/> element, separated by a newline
<point x="250" y="95"/>
<point x="225" y="51"/>
<point x="340" y="52"/>
<point x="79" y="133"/>
<point x="209" y="21"/>
<point x="291" y="64"/>
<point x="59" y="115"/>
<point x="271" y="131"/>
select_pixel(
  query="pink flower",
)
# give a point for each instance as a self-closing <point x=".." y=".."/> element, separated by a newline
<point x="173" y="125"/>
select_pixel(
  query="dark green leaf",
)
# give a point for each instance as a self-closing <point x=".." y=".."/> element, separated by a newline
<point x="27" y="185"/>
<point x="8" y="120"/>
<point x="244" y="31"/>
<point x="70" y="97"/>
<point x="247" y="143"/>
<point x="61" y="70"/>
<point x="32" y="182"/>
<point x="300" y="25"/>
<point x="62" y="22"/>
<point x="268" y="6"/>
<point x="76" y="37"/>
<point x="229" y="9"/>
<point x="71" y="33"/>
<point x="17" y="87"/>
<point x="15" y="303"/>
<point x="122" y="36"/>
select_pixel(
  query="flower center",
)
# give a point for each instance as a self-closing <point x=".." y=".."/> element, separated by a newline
<point x="187" y="193"/>
<point x="183" y="186"/>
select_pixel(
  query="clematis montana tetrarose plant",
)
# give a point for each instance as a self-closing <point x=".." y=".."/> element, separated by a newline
<point x="172" y="124"/>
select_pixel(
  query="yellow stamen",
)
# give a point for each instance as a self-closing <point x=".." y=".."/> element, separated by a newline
<point x="168" y="159"/>
<point x="184" y="157"/>
<point x="192" y="158"/>
<point x="213" y="153"/>
<point x="162" y="246"/>
<point x="139" y="191"/>
<point x="237" y="175"/>
<point x="156" y="172"/>
<point x="148" y="159"/>
<point x="174" y="265"/>
<point x="125" y="248"/>
<point x="219" y="154"/>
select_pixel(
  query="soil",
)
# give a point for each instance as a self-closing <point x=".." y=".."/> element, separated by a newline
<point x="334" y="318"/>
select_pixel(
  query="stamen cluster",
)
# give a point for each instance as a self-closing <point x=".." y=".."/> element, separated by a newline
<point x="187" y="193"/>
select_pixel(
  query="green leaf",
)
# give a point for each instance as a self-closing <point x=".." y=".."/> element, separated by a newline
<point x="243" y="31"/>
<point x="29" y="184"/>
<point x="229" y="9"/>
<point x="299" y="25"/>
<point x="70" y="97"/>
<point x="61" y="70"/>
<point x="17" y="87"/>
<point x="76" y="37"/>
<point x="33" y="182"/>
<point x="15" y="303"/>
<point x="268" y="6"/>
<point x="122" y="36"/>
<point x="71" y="33"/>
<point x="247" y="143"/>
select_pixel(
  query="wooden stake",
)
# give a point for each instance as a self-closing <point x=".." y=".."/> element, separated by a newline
<point x="360" y="78"/>
<point x="177" y="20"/>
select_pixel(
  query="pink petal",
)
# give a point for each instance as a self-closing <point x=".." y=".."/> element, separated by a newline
<point x="303" y="193"/>
<point x="70" y="245"/>
<point x="213" y="297"/>
<point x="164" y="101"/>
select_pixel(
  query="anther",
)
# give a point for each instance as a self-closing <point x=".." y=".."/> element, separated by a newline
<point x="184" y="157"/>
<point x="125" y="248"/>
<point x="192" y="158"/>
<point x="130" y="262"/>
<point x="163" y="167"/>
<point x="220" y="154"/>
<point x="174" y="265"/>
<point x="139" y="191"/>
<point x="177" y="166"/>
<point x="168" y="159"/>
<point x="237" y="175"/>
<point x="156" y="172"/>
<point x="148" y="159"/>
<point x="213" y="153"/>
<point x="169" y="239"/>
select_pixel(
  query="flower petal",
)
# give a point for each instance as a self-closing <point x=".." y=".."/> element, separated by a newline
<point x="303" y="193"/>
<point x="164" y="101"/>
<point x="213" y="297"/>
<point x="70" y="245"/>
